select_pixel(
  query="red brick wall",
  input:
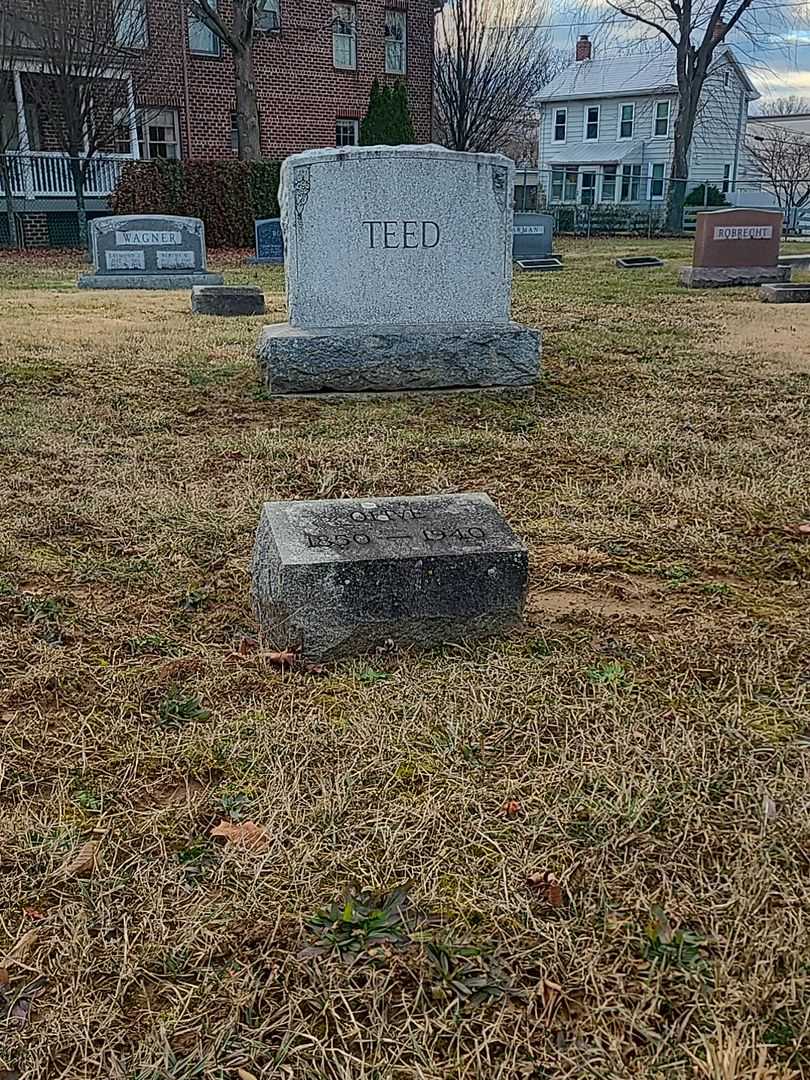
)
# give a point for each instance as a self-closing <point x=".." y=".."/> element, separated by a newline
<point x="300" y="92"/>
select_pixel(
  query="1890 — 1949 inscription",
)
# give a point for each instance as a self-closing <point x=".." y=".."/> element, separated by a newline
<point x="340" y="577"/>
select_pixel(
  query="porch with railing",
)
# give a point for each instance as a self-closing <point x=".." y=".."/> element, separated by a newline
<point x="45" y="175"/>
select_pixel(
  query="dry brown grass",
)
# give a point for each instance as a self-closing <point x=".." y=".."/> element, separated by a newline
<point x="650" y="724"/>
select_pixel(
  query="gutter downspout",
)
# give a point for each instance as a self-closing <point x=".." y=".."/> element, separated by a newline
<point x="183" y="22"/>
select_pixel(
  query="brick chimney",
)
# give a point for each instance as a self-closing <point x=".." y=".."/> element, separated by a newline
<point x="583" y="47"/>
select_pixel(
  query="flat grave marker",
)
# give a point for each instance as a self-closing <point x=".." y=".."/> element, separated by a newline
<point x="341" y="577"/>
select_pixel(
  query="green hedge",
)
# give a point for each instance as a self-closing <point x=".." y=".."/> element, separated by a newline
<point x="228" y="195"/>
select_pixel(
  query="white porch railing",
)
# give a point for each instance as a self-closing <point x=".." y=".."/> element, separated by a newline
<point x="49" y="176"/>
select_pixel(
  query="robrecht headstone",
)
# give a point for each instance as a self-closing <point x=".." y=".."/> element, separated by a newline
<point x="736" y="247"/>
<point x="532" y="236"/>
<point x="399" y="272"/>
<point x="341" y="577"/>
<point x="269" y="241"/>
<point x="148" y="251"/>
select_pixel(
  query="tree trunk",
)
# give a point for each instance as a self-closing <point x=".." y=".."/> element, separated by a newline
<point x="12" y="223"/>
<point x="77" y="172"/>
<point x="247" y="107"/>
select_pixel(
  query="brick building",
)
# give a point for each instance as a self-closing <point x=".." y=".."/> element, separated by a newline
<point x="314" y="63"/>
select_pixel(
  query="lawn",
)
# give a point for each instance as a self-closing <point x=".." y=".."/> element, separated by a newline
<point x="581" y="851"/>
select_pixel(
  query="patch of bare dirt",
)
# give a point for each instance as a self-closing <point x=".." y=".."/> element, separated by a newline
<point x="621" y="595"/>
<point x="778" y="333"/>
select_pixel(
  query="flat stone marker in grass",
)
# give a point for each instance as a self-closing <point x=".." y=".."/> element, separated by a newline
<point x="399" y="274"/>
<point x="785" y="294"/>
<point x="341" y="577"/>
<point x="227" y="300"/>
<point x="736" y="247"/>
<point x="638" y="262"/>
<point x="148" y="251"/>
<point x="539" y="266"/>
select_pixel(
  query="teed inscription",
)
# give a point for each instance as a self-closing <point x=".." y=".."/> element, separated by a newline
<point x="413" y="234"/>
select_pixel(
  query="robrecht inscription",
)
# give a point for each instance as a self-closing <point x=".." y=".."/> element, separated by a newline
<point x="743" y="232"/>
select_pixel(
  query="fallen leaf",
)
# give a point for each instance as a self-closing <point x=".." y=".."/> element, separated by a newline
<point x="768" y="808"/>
<point x="804" y="528"/>
<point x="547" y="886"/>
<point x="512" y="807"/>
<point x="21" y="1010"/>
<point x="244" y="834"/>
<point x="243" y="1074"/>
<point x="33" y="913"/>
<point x="21" y="948"/>
<point x="313" y="669"/>
<point x="285" y="658"/>
<point x="4" y="977"/>
<point x="82" y="862"/>
<point x="247" y="644"/>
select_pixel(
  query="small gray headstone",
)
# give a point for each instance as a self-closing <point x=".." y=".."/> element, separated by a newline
<point x="269" y="241"/>
<point x="227" y="300"/>
<point x="147" y="251"/>
<point x="532" y="236"/>
<point x="341" y="577"/>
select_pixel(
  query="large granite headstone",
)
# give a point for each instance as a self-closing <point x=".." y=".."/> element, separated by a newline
<point x="148" y="251"/>
<point x="399" y="272"/>
<point x="269" y="241"/>
<point x="532" y="236"/>
<point x="736" y="247"/>
<point x="341" y="577"/>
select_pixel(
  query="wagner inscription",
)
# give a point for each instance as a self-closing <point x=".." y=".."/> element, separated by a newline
<point x="403" y="234"/>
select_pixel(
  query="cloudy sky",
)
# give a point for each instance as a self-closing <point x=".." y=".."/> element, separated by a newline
<point x="774" y="46"/>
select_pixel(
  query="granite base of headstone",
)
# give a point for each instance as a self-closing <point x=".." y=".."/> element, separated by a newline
<point x="343" y="577"/>
<point x="227" y="300"/>
<point x="269" y="243"/>
<point x="148" y="251"/>
<point x="795" y="262"/>
<point x="399" y="272"/>
<point x="735" y="247"/>
<point x="785" y="294"/>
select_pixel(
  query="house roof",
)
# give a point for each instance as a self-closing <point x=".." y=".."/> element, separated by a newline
<point x="602" y="153"/>
<point x="625" y="76"/>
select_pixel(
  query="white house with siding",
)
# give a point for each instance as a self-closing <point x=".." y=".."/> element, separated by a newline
<point x="607" y="125"/>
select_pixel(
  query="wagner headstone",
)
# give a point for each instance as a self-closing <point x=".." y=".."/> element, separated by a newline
<point x="736" y="247"/>
<point x="343" y="576"/>
<point x="269" y="241"/>
<point x="532" y="236"/>
<point x="148" y="251"/>
<point x="399" y="271"/>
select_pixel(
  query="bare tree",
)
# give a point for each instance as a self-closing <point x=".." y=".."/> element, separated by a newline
<point x="248" y="17"/>
<point x="89" y="62"/>
<point x="782" y="158"/>
<point x="9" y="50"/>
<point x="786" y="106"/>
<point x="491" y="58"/>
<point x="695" y="29"/>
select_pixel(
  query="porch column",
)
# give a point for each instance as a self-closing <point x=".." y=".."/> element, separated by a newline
<point x="23" y="139"/>
<point x="132" y="120"/>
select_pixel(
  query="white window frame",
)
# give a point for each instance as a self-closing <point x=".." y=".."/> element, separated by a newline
<point x="632" y="177"/>
<point x="131" y="24"/>
<point x="216" y="45"/>
<point x="554" y="139"/>
<point x="626" y="138"/>
<point x="268" y="16"/>
<point x="355" y="125"/>
<point x="401" y="44"/>
<point x="145" y="117"/>
<point x="572" y="170"/>
<point x="725" y="187"/>
<point x="651" y="179"/>
<point x="341" y="35"/>
<point x="556" y="200"/>
<point x="585" y="111"/>
<point x="592" y="171"/>
<point x="656" y="103"/>
<point x="726" y="79"/>
<point x="615" y="177"/>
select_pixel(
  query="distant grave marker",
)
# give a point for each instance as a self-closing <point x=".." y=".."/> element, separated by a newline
<point x="736" y="247"/>
<point x="532" y="236"/>
<point x="269" y="241"/>
<point x="147" y="251"/>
